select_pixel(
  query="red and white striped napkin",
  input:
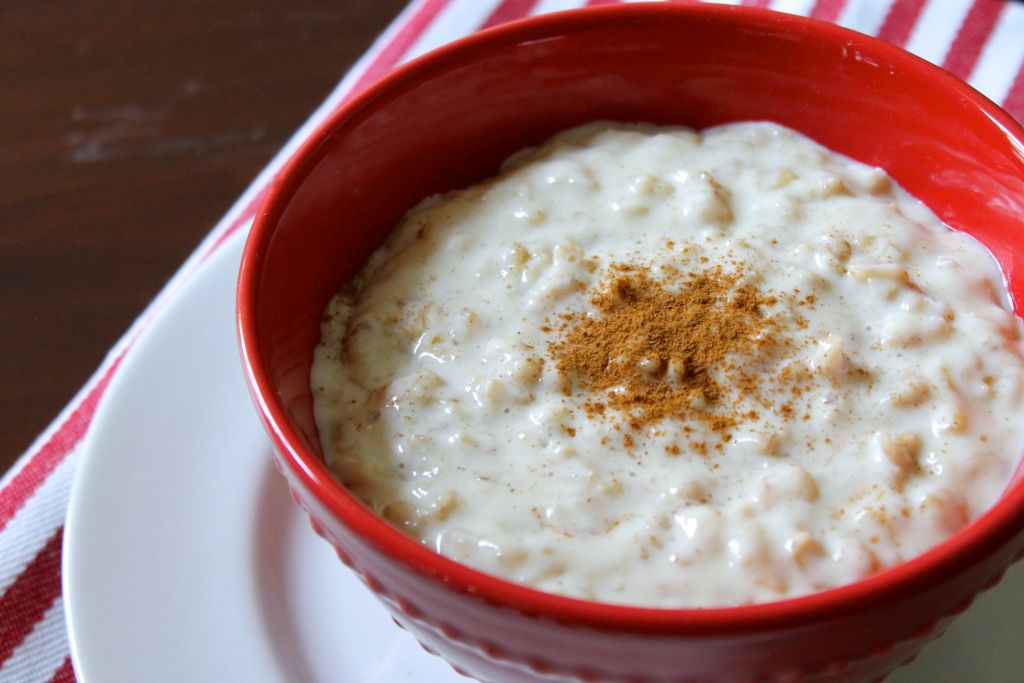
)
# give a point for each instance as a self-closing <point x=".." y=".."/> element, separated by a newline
<point x="981" y="41"/>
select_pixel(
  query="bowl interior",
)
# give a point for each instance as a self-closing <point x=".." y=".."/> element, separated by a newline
<point x="447" y="122"/>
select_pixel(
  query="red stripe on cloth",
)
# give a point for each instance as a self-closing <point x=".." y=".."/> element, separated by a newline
<point x="394" y="51"/>
<point x="26" y="600"/>
<point x="593" y="3"/>
<point x="35" y="589"/>
<point x="974" y="32"/>
<point x="827" y="10"/>
<point x="900" y="21"/>
<point x="52" y="453"/>
<point x="508" y="10"/>
<point x="1014" y="102"/>
<point x="386" y="60"/>
<point x="65" y="674"/>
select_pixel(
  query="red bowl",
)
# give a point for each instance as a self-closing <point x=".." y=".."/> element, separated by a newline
<point x="447" y="120"/>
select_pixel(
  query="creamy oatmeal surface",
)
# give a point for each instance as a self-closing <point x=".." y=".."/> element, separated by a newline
<point x="650" y="366"/>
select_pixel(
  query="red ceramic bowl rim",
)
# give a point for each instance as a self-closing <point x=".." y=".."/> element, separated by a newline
<point x="980" y="539"/>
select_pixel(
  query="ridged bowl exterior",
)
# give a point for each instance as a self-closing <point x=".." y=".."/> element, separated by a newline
<point x="498" y="644"/>
<point x="448" y="120"/>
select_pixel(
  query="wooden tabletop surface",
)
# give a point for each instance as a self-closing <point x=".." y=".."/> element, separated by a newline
<point x="127" y="129"/>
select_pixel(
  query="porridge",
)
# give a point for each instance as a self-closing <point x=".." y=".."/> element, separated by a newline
<point x="658" y="367"/>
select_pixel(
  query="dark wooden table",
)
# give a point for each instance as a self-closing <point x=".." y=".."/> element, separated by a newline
<point x="126" y="130"/>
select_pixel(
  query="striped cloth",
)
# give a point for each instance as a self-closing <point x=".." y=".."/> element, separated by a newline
<point x="981" y="41"/>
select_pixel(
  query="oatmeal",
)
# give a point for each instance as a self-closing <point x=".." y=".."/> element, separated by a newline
<point x="658" y="367"/>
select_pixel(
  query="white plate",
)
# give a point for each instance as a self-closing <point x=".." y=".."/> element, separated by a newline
<point x="185" y="560"/>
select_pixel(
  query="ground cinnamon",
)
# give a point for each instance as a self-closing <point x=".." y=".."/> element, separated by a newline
<point x="659" y="348"/>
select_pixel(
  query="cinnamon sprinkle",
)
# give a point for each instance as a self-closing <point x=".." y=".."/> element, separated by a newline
<point x="660" y="349"/>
